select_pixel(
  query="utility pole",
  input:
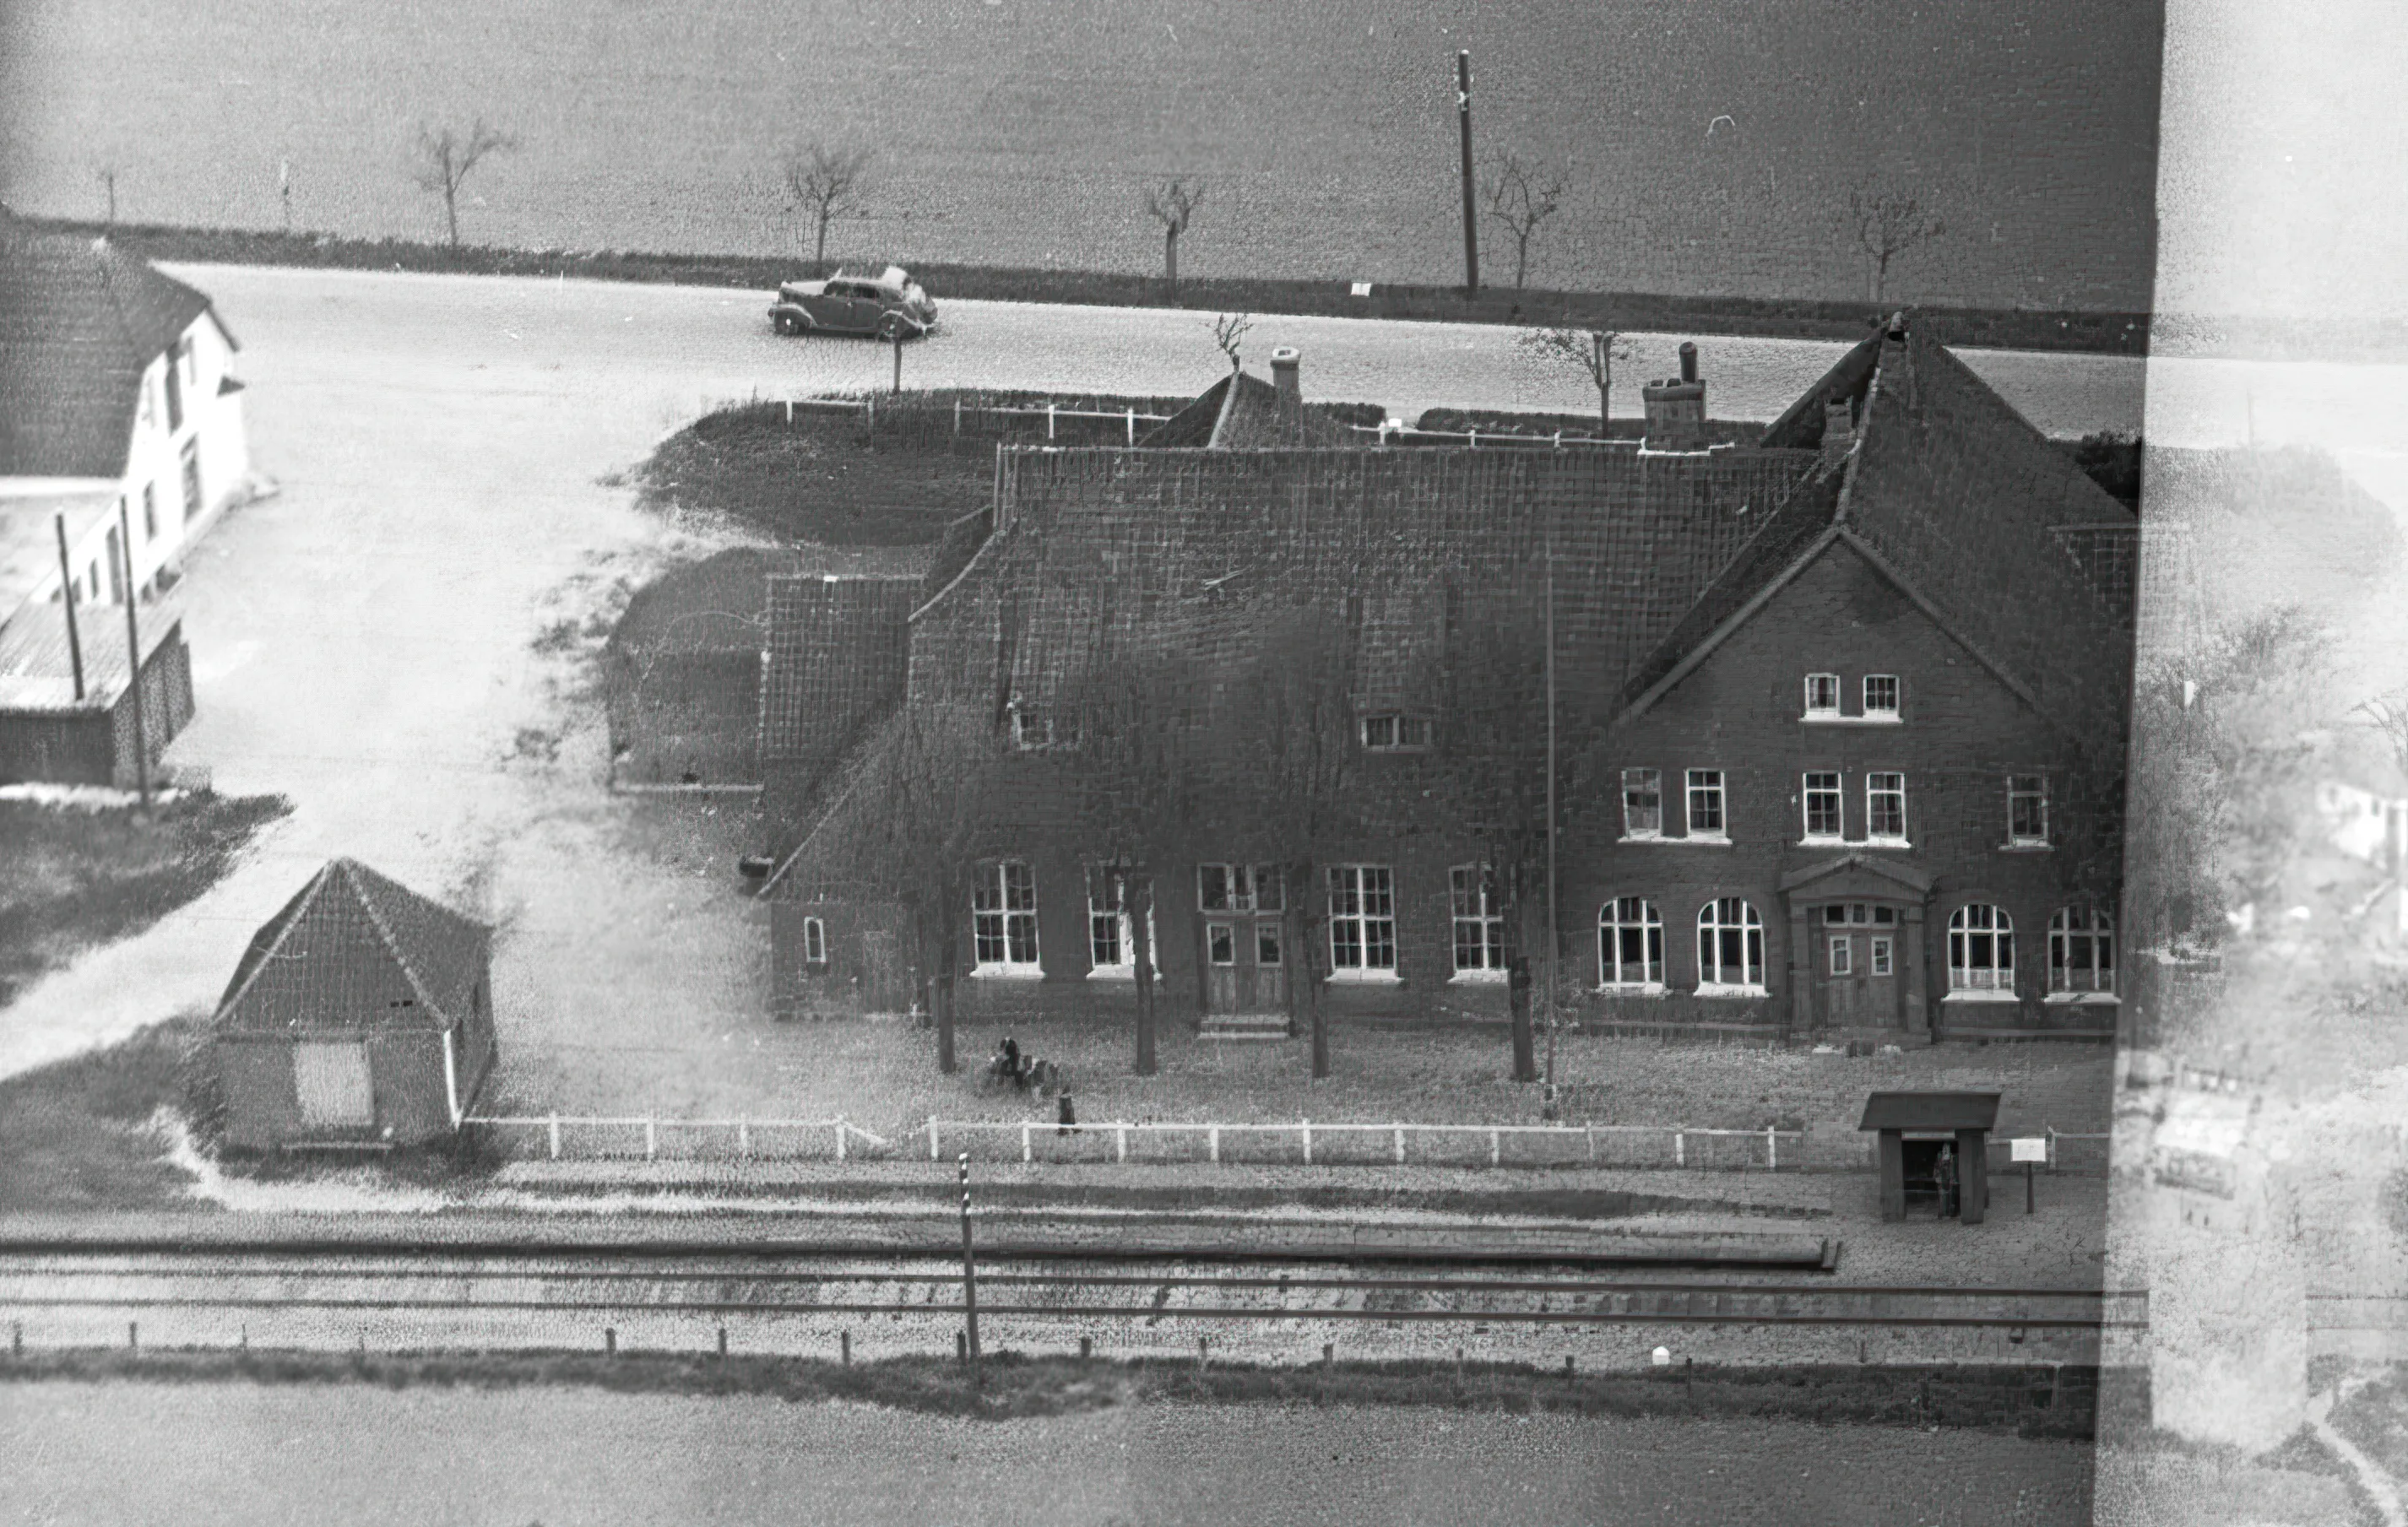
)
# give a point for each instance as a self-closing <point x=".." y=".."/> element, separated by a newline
<point x="67" y="593"/>
<point x="969" y="1274"/>
<point x="1553" y="936"/>
<point x="284" y="190"/>
<point x="1471" y="220"/>
<point x="133" y="658"/>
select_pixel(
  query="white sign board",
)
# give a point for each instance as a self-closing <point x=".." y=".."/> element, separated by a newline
<point x="2030" y="1150"/>
<point x="1362" y="289"/>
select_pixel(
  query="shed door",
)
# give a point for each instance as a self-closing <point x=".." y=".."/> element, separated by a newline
<point x="332" y="1081"/>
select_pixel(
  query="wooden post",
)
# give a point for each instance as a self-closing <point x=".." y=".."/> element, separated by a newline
<point x="723" y="1342"/>
<point x="652" y="1139"/>
<point x="1772" y="1149"/>
<point x="554" y="1132"/>
<point x="133" y="658"/>
<point x="1120" y="1142"/>
<point x="1025" y="1156"/>
<point x="67" y="598"/>
<point x="845" y="1348"/>
<point x="898" y="362"/>
<point x="1213" y="1140"/>
<point x="1470" y="226"/>
<point x="609" y="1341"/>
<point x="840" y="1139"/>
<point x="932" y="1137"/>
<point x="1132" y="426"/>
<point x="1680" y="1149"/>
<point x="743" y="1140"/>
<point x="1973" y="1175"/>
<point x="969" y="1277"/>
<point x="1400" y="1145"/>
<point x="2027" y="1187"/>
<point x="1049" y="421"/>
<point x="1308" y="1141"/>
<point x="1086" y="1347"/>
<point x="1495" y="1149"/>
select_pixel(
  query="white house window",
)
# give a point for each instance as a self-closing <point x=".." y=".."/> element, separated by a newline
<point x="1822" y="808"/>
<point x="814" y="942"/>
<point x="1112" y="938"/>
<point x="1033" y="730"/>
<point x="1881" y="697"/>
<point x="1362" y="920"/>
<point x="1003" y="916"/>
<point x="1881" y="955"/>
<point x="1981" y="950"/>
<point x="1479" y="921"/>
<point x="1629" y="944"/>
<point x="1730" y="949"/>
<point x="192" y="470"/>
<point x="1238" y="888"/>
<point x="1392" y="732"/>
<point x="1642" y="803"/>
<point x="2081" y="952"/>
<point x="1860" y="914"/>
<point x="1885" y="807"/>
<point x="175" y="397"/>
<point x="1706" y="802"/>
<point x="2028" y="810"/>
<point x="1822" y="694"/>
<point x="1843" y="953"/>
<point x="150" y="512"/>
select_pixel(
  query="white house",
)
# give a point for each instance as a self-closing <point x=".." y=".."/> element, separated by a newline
<point x="115" y="380"/>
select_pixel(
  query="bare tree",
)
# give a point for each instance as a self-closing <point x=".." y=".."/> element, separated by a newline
<point x="1593" y="350"/>
<point x="927" y="811"/>
<point x="1229" y="331"/>
<point x="1522" y="196"/>
<point x="1887" y="223"/>
<point x="2388" y="714"/>
<point x="447" y="155"/>
<point x="826" y="182"/>
<point x="1173" y="206"/>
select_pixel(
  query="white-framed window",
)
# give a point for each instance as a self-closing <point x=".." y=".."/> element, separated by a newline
<point x="1221" y="943"/>
<point x="175" y="397"/>
<point x="1642" y="803"/>
<point x="814" y="942"/>
<point x="1391" y="732"/>
<point x="1239" y="888"/>
<point x="1003" y="919"/>
<point x="1822" y="694"/>
<point x="150" y="512"/>
<point x="2028" y="810"/>
<point x="1478" y="906"/>
<point x="1981" y="950"/>
<point x="1033" y="730"/>
<point x="1880" y="951"/>
<point x="1860" y="914"/>
<point x="2081" y="952"/>
<point x="1885" y="807"/>
<point x="1629" y="944"/>
<point x="1842" y="956"/>
<point x="1706" y="804"/>
<point x="1730" y="948"/>
<point x="1111" y="936"/>
<point x="1362" y="920"/>
<point x="1881" y="697"/>
<point x="1821" y="796"/>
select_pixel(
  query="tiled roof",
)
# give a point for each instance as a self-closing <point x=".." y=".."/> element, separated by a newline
<point x="79" y="321"/>
<point x="355" y="949"/>
<point x="37" y="671"/>
<point x="1243" y="412"/>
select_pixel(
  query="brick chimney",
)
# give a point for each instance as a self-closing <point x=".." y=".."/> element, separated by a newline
<point x="1676" y="410"/>
<point x="1283" y="361"/>
<point x="1839" y="430"/>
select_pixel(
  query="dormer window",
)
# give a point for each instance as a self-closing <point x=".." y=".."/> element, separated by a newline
<point x="1034" y="730"/>
<point x="1881" y="697"/>
<point x="1822" y="694"/>
<point x="1393" y="732"/>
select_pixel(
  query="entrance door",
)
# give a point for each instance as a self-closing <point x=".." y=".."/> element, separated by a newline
<point x="1857" y="948"/>
<point x="331" y="1083"/>
<point x="1246" y="939"/>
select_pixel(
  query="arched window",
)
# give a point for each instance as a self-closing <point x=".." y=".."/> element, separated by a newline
<point x="814" y="942"/>
<point x="1730" y="946"/>
<point x="1630" y="943"/>
<point x="1981" y="950"/>
<point x="2080" y="950"/>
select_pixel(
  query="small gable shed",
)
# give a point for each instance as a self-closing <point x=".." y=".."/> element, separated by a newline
<point x="360" y="1014"/>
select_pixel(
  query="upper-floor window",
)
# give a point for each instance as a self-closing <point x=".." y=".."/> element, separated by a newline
<point x="1034" y="730"/>
<point x="1478" y="906"/>
<point x="1630" y="943"/>
<point x="2081" y="951"/>
<point x="175" y="397"/>
<point x="1885" y="807"/>
<point x="150" y="511"/>
<point x="2028" y="810"/>
<point x="1239" y="888"/>
<point x="1822" y="694"/>
<point x="1362" y="920"/>
<point x="1393" y="733"/>
<point x="1822" y="808"/>
<point x="1881" y="697"/>
<point x="1642" y="803"/>
<point x="1706" y="804"/>
<point x="1003" y="919"/>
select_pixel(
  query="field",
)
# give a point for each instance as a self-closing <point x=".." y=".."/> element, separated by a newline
<point x="1705" y="148"/>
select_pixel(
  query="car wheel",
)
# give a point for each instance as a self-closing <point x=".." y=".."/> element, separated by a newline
<point x="788" y="323"/>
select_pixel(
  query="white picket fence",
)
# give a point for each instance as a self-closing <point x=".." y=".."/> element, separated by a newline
<point x="1309" y="1144"/>
<point x="575" y="1135"/>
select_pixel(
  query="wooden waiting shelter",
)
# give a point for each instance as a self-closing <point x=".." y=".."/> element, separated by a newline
<point x="1914" y="1128"/>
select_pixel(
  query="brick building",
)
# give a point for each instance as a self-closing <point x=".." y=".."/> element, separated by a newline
<point x="1300" y="690"/>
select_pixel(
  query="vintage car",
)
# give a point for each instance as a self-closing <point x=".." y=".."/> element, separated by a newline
<point x="889" y="305"/>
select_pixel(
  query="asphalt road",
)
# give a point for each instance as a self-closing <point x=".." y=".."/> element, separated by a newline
<point x="197" y="1454"/>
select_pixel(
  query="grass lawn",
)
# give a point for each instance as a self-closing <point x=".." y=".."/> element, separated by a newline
<point x="814" y="480"/>
<point x="71" y="879"/>
<point x="74" y="1135"/>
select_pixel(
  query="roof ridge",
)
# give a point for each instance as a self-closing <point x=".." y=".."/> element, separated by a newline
<point x="300" y="908"/>
<point x="1228" y="403"/>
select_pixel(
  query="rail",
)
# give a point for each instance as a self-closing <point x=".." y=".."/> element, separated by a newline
<point x="743" y="1138"/>
<point x="1082" y="1141"/>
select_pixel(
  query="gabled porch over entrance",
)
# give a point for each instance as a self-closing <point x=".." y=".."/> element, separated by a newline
<point x="1857" y="964"/>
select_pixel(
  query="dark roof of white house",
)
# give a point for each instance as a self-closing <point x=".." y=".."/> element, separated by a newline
<point x="355" y="949"/>
<point x="81" y="319"/>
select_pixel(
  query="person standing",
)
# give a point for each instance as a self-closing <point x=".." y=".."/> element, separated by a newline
<point x="1945" y="1171"/>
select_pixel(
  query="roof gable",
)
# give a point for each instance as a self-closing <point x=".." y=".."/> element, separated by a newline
<point x="80" y="320"/>
<point x="356" y="949"/>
